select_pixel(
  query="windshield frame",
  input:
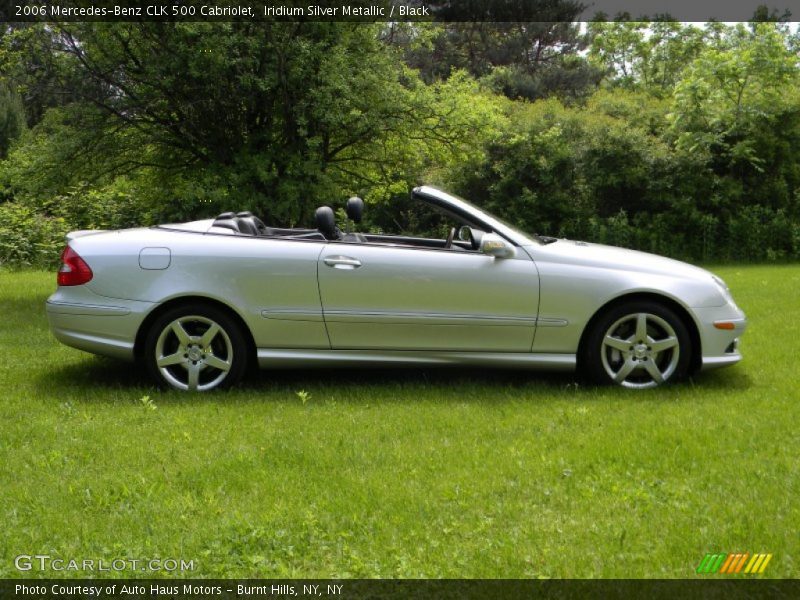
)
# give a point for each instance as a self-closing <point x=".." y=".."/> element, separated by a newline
<point x="473" y="214"/>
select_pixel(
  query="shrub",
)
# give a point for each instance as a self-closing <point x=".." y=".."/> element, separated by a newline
<point x="28" y="238"/>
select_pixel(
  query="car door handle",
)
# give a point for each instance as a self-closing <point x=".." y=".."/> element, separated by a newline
<point x="342" y="262"/>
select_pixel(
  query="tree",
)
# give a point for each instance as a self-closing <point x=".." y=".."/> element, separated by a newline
<point x="531" y="59"/>
<point x="32" y="69"/>
<point x="737" y="104"/>
<point x="279" y="117"/>
<point x="12" y="118"/>
<point x="649" y="55"/>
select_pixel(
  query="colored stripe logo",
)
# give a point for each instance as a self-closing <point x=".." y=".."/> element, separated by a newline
<point x="736" y="562"/>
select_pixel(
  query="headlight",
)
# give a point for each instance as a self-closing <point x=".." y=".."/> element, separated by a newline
<point x="723" y="287"/>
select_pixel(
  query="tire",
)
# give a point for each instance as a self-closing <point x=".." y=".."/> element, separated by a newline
<point x="195" y="347"/>
<point x="637" y="344"/>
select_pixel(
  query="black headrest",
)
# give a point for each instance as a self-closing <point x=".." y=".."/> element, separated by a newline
<point x="246" y="222"/>
<point x="247" y="225"/>
<point x="226" y="224"/>
<point x="355" y="208"/>
<point x="326" y="222"/>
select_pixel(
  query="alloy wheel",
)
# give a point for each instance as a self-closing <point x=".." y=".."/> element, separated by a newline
<point x="640" y="350"/>
<point x="194" y="353"/>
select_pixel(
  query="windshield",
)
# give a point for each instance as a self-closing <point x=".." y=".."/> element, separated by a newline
<point x="481" y="217"/>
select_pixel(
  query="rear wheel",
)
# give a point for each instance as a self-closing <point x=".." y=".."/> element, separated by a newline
<point x="638" y="344"/>
<point x="195" y="348"/>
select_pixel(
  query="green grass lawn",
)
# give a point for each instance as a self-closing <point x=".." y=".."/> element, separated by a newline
<point x="402" y="473"/>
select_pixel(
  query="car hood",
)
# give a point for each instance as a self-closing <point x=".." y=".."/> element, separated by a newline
<point x="612" y="257"/>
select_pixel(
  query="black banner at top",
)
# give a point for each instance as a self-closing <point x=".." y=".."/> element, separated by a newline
<point x="393" y="10"/>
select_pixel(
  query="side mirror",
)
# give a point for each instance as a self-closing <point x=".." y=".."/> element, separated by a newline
<point x="493" y="245"/>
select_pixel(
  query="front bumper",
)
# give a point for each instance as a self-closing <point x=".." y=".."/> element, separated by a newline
<point x="720" y="347"/>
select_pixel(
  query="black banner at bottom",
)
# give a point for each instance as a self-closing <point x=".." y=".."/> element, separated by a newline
<point x="367" y="589"/>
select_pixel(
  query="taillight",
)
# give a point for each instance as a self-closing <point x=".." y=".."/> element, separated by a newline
<point x="74" y="270"/>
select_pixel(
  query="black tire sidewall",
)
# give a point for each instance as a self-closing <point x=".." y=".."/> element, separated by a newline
<point x="225" y="321"/>
<point x="590" y="359"/>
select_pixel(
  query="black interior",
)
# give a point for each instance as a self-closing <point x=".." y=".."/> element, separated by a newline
<point x="247" y="224"/>
<point x="418" y="242"/>
<point x="250" y="224"/>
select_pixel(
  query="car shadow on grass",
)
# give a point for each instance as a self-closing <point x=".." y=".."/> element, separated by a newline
<point x="99" y="374"/>
<point x="485" y="385"/>
<point x="402" y="377"/>
<point x="95" y="372"/>
<point x="732" y="379"/>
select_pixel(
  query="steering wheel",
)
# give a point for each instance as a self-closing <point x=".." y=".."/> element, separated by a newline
<point x="450" y="237"/>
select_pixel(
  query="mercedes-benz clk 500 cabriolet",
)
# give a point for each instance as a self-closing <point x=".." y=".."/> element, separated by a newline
<point x="198" y="302"/>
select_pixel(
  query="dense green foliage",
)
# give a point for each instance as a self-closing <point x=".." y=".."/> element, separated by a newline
<point x="12" y="118"/>
<point x="401" y="473"/>
<point x="668" y="137"/>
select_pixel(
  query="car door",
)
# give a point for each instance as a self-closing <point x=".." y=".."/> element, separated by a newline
<point x="382" y="296"/>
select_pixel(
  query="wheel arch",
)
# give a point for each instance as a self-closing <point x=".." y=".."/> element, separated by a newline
<point x="141" y="334"/>
<point x="671" y="303"/>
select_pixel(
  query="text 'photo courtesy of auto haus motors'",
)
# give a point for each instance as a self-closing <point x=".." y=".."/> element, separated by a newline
<point x="195" y="303"/>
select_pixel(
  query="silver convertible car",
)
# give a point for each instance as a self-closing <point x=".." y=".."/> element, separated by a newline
<point x="198" y="302"/>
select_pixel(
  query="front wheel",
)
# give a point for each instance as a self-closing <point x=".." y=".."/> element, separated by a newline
<point x="638" y="344"/>
<point x="195" y="348"/>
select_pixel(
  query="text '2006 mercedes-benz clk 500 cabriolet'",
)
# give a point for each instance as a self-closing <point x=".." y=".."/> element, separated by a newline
<point x="197" y="302"/>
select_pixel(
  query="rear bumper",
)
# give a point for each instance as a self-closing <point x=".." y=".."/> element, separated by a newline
<point x="105" y="329"/>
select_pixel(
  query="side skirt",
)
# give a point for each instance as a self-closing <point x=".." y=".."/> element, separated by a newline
<point x="271" y="358"/>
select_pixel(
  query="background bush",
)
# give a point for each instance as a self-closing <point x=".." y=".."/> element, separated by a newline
<point x="661" y="136"/>
<point x="29" y="238"/>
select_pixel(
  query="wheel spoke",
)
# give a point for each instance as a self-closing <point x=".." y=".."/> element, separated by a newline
<point x="172" y="359"/>
<point x="625" y="370"/>
<point x="652" y="368"/>
<point x="641" y="327"/>
<point x="665" y="344"/>
<point x="210" y="334"/>
<point x="217" y="363"/>
<point x="194" y="376"/>
<point x="180" y="333"/>
<point x="617" y="343"/>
